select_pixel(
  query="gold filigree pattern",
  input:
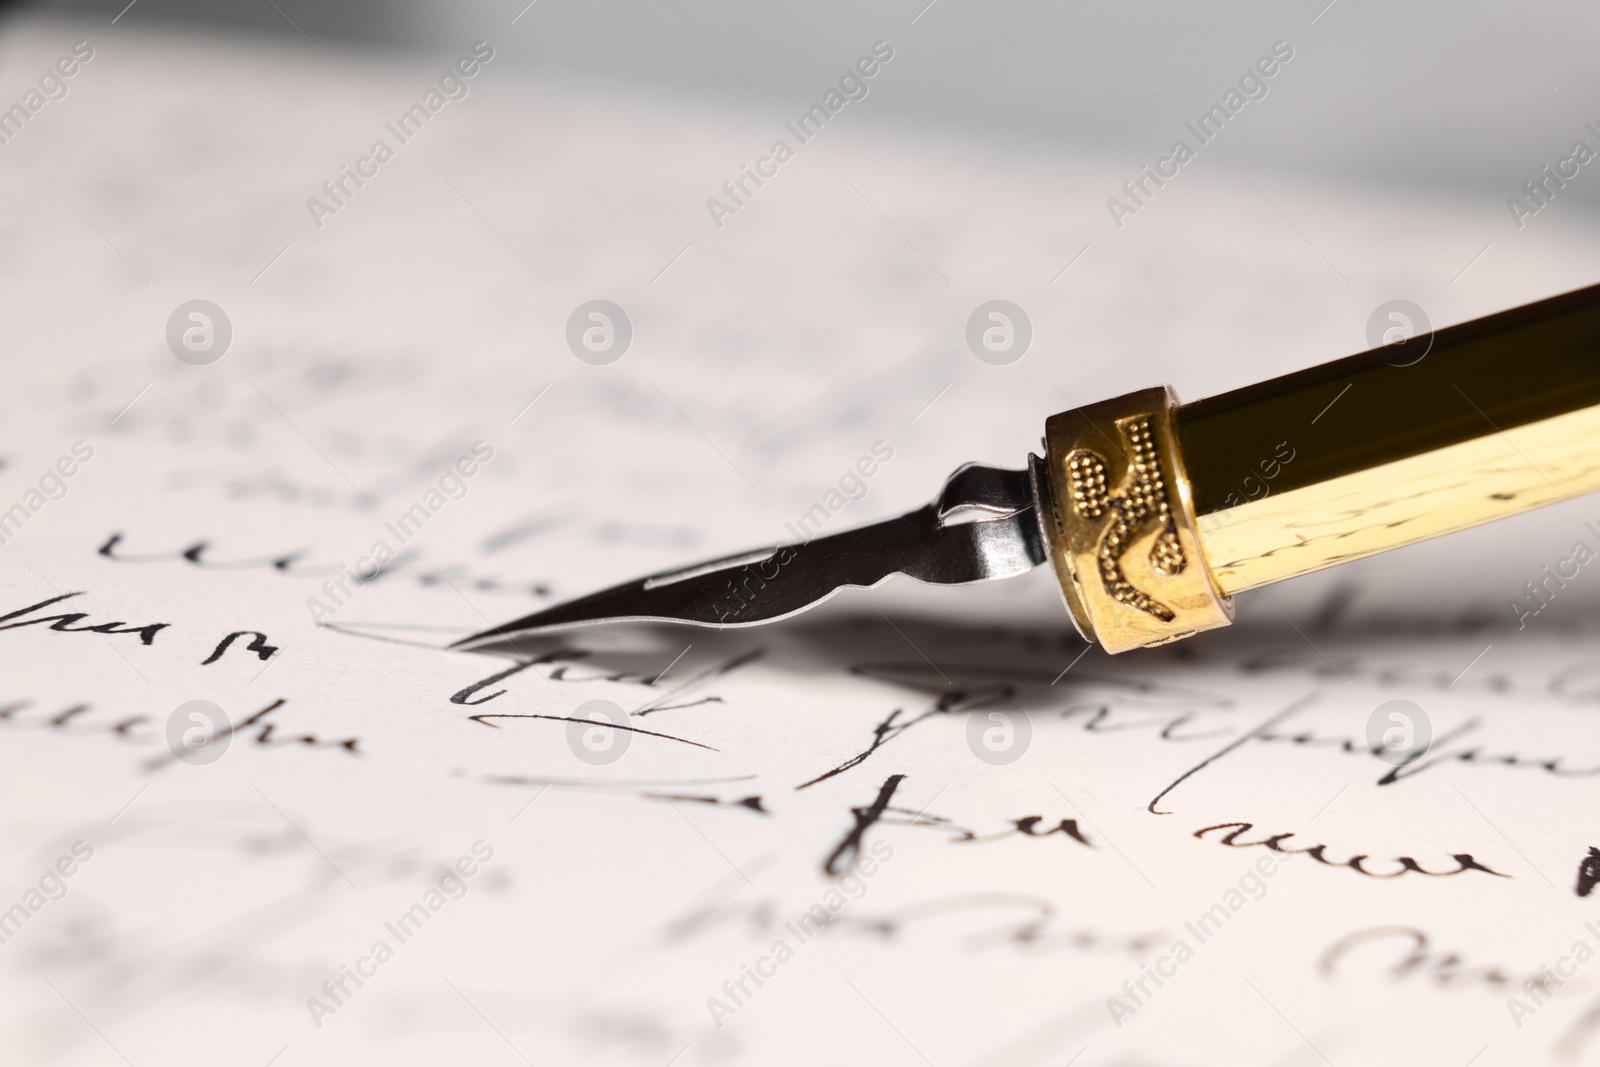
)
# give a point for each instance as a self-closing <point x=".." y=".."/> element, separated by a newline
<point x="1139" y="501"/>
<point x="1106" y="491"/>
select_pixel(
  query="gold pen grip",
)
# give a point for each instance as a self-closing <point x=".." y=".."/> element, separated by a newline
<point x="1116" y="513"/>
<point x="1340" y="461"/>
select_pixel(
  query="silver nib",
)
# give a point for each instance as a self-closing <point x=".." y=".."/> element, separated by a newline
<point x="984" y="525"/>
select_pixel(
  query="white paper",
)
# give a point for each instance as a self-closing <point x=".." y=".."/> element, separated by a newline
<point x="615" y="909"/>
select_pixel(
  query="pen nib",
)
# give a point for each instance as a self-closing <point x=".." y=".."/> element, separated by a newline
<point x="983" y="526"/>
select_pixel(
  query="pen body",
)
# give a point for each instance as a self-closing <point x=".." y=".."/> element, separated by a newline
<point x="1382" y="449"/>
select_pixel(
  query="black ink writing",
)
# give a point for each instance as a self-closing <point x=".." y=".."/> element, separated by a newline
<point x="292" y="563"/>
<point x="1589" y="872"/>
<point x="266" y="735"/>
<point x="1406" y="952"/>
<point x="1407" y="865"/>
<point x="147" y="632"/>
<point x="484" y="718"/>
<point x="258" y="645"/>
<point x="849" y="849"/>
<point x="881" y="811"/>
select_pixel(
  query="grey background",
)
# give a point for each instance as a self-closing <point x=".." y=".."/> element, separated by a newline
<point x="1465" y="93"/>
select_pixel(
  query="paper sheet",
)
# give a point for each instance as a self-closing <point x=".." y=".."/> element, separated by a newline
<point x="917" y="825"/>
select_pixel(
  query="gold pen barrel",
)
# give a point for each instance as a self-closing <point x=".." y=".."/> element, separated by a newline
<point x="1383" y="449"/>
<point x="1155" y="514"/>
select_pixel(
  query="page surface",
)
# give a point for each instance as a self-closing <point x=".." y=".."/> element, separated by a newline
<point x="916" y="825"/>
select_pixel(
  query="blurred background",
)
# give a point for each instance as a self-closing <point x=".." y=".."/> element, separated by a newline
<point x="1474" y="93"/>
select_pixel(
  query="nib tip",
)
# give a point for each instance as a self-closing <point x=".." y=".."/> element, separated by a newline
<point x="475" y="639"/>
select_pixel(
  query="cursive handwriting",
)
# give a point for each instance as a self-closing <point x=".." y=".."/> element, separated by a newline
<point x="292" y="563"/>
<point x="1030" y="923"/>
<point x="258" y="645"/>
<point x="846" y="852"/>
<point x="751" y="802"/>
<point x="147" y="632"/>
<point x="484" y="717"/>
<point x="567" y="669"/>
<point x="1443" y="750"/>
<point x="1407" y="952"/>
<point x="1000" y="690"/>
<point x="1464" y="860"/>
<point x="1589" y="872"/>
<point x="266" y="736"/>
<point x="82" y="720"/>
<point x="75" y="720"/>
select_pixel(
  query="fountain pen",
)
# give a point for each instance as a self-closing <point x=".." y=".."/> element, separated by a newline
<point x="1154" y="514"/>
